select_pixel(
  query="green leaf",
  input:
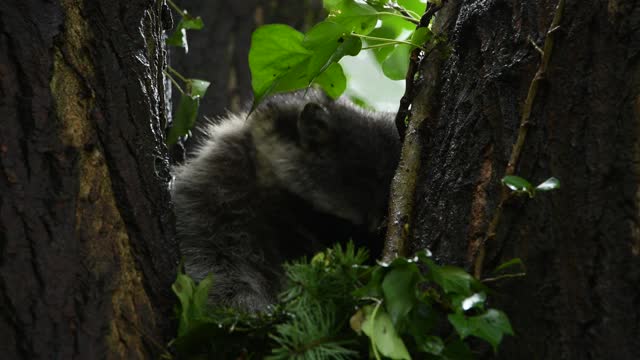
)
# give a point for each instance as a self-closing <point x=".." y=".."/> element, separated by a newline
<point x="399" y="287"/>
<point x="193" y="301"/>
<point x="183" y="287"/>
<point x="431" y="345"/>
<point x="373" y="288"/>
<point x="416" y="6"/>
<point x="460" y="323"/>
<point x="490" y="326"/>
<point x="549" y="184"/>
<point x="382" y="53"/>
<point x="457" y="350"/>
<point x="451" y="279"/>
<point x="184" y="118"/>
<point x="424" y="255"/>
<point x="329" y="42"/>
<point x="330" y="5"/>
<point x="192" y="23"/>
<point x="422" y="320"/>
<point x="276" y="51"/>
<point x="197" y="88"/>
<point x="200" y="296"/>
<point x="395" y="66"/>
<point x="508" y="264"/>
<point x="283" y="59"/>
<point x="356" y="17"/>
<point x="179" y="38"/>
<point x="383" y="334"/>
<point x="518" y="184"/>
<point x="332" y="81"/>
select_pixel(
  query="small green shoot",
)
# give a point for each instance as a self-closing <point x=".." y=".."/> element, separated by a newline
<point x="520" y="185"/>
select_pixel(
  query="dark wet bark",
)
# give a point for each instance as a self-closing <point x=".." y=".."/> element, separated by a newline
<point x="581" y="244"/>
<point x="87" y="253"/>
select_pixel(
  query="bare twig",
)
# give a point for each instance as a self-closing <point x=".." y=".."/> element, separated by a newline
<point x="522" y="135"/>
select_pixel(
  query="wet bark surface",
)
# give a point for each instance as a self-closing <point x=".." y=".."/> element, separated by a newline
<point x="580" y="244"/>
<point x="87" y="253"/>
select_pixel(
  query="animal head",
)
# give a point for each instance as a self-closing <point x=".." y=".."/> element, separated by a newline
<point x="339" y="157"/>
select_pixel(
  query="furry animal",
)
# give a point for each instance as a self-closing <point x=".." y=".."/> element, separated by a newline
<point x="298" y="174"/>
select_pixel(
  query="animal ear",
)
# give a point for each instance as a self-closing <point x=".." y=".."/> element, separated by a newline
<point x="314" y="125"/>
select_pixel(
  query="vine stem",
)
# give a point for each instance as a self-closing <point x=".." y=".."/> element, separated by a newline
<point x="409" y="91"/>
<point x="522" y="135"/>
<point x="173" y="81"/>
<point x="175" y="7"/>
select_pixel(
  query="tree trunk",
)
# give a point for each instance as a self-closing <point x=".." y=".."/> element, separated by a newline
<point x="581" y="243"/>
<point x="87" y="253"/>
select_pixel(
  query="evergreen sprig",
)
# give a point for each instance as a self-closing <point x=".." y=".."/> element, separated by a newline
<point x="336" y="307"/>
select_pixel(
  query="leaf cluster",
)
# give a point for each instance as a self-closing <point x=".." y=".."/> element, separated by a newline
<point x="284" y="59"/>
<point x="192" y="90"/>
<point x="336" y="307"/>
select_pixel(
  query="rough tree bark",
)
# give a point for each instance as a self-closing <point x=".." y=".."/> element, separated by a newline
<point x="87" y="253"/>
<point x="580" y="244"/>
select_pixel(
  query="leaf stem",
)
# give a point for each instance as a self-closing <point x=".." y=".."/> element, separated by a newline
<point x="173" y="81"/>
<point x="373" y="326"/>
<point x="406" y="12"/>
<point x="388" y="41"/>
<point x="408" y="18"/>
<point x="376" y="46"/>
<point x="176" y="73"/>
<point x="176" y="8"/>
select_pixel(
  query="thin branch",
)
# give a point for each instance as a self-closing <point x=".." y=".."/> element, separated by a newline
<point x="522" y="135"/>
<point x="414" y="59"/>
<point x="535" y="46"/>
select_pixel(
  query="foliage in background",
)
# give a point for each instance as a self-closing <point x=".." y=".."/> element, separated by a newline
<point x="192" y="90"/>
<point x="284" y="59"/>
<point x="335" y="307"/>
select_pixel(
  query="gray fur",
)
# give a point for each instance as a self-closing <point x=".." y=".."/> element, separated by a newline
<point x="287" y="181"/>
